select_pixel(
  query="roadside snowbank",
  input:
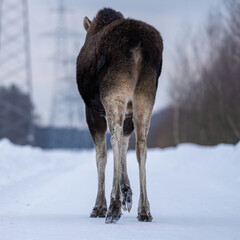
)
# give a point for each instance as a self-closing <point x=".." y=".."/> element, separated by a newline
<point x="194" y="193"/>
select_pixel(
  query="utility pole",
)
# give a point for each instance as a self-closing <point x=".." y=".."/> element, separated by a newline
<point x="67" y="109"/>
<point x="15" y="62"/>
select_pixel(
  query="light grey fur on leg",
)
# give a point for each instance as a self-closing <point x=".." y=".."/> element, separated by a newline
<point x="125" y="183"/>
<point x="114" y="212"/>
<point x="116" y="145"/>
<point x="115" y="105"/>
<point x="143" y="205"/>
<point x="101" y="161"/>
<point x="124" y="147"/>
<point x="115" y="113"/>
<point x="142" y="115"/>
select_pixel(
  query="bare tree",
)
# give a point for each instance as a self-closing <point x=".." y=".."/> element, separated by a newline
<point x="207" y="80"/>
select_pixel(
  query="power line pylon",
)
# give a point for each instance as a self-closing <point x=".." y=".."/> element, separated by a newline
<point x="67" y="109"/>
<point x="15" y="60"/>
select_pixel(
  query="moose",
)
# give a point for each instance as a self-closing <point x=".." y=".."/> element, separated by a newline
<point x="117" y="76"/>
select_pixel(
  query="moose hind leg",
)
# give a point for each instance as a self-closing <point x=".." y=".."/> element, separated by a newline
<point x="125" y="183"/>
<point x="141" y="127"/>
<point x="142" y="110"/>
<point x="115" y="111"/>
<point x="98" y="126"/>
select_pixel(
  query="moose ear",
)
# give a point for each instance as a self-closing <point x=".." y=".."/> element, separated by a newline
<point x="120" y="14"/>
<point x="86" y="23"/>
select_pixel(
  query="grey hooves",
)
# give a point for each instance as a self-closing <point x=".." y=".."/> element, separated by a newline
<point x="98" y="212"/>
<point x="126" y="199"/>
<point x="145" y="217"/>
<point x="114" y="211"/>
<point x="112" y="218"/>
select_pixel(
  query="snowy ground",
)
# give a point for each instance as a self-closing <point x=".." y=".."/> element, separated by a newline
<point x="194" y="194"/>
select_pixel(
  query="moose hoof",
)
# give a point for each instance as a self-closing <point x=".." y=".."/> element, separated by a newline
<point x="145" y="217"/>
<point x="112" y="218"/>
<point x="126" y="199"/>
<point x="98" y="212"/>
<point x="114" y="211"/>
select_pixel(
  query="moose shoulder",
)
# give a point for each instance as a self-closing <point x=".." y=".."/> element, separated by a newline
<point x="117" y="75"/>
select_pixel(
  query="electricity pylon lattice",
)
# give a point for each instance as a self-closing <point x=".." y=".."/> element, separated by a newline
<point x="15" y="60"/>
<point x="15" y="65"/>
<point x="67" y="110"/>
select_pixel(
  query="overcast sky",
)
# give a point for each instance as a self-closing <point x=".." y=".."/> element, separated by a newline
<point x="170" y="17"/>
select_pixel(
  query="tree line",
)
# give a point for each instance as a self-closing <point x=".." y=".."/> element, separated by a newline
<point x="206" y="81"/>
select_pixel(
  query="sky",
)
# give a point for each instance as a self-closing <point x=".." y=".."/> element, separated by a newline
<point x="172" y="18"/>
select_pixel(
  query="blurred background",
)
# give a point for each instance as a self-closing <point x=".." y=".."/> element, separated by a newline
<point x="199" y="89"/>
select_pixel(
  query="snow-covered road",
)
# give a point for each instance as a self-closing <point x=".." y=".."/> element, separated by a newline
<point x="194" y="194"/>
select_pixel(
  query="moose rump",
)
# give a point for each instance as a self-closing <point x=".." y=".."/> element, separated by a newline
<point x="117" y="75"/>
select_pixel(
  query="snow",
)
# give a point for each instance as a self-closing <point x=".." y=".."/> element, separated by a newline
<point x="194" y="193"/>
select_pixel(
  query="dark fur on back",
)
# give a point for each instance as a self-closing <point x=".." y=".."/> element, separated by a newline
<point x="104" y="18"/>
<point x="109" y="44"/>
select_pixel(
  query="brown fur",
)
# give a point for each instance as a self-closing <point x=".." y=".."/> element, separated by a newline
<point x="117" y="75"/>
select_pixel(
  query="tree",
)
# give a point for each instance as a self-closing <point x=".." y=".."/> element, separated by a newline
<point x="206" y="84"/>
<point x="16" y="115"/>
